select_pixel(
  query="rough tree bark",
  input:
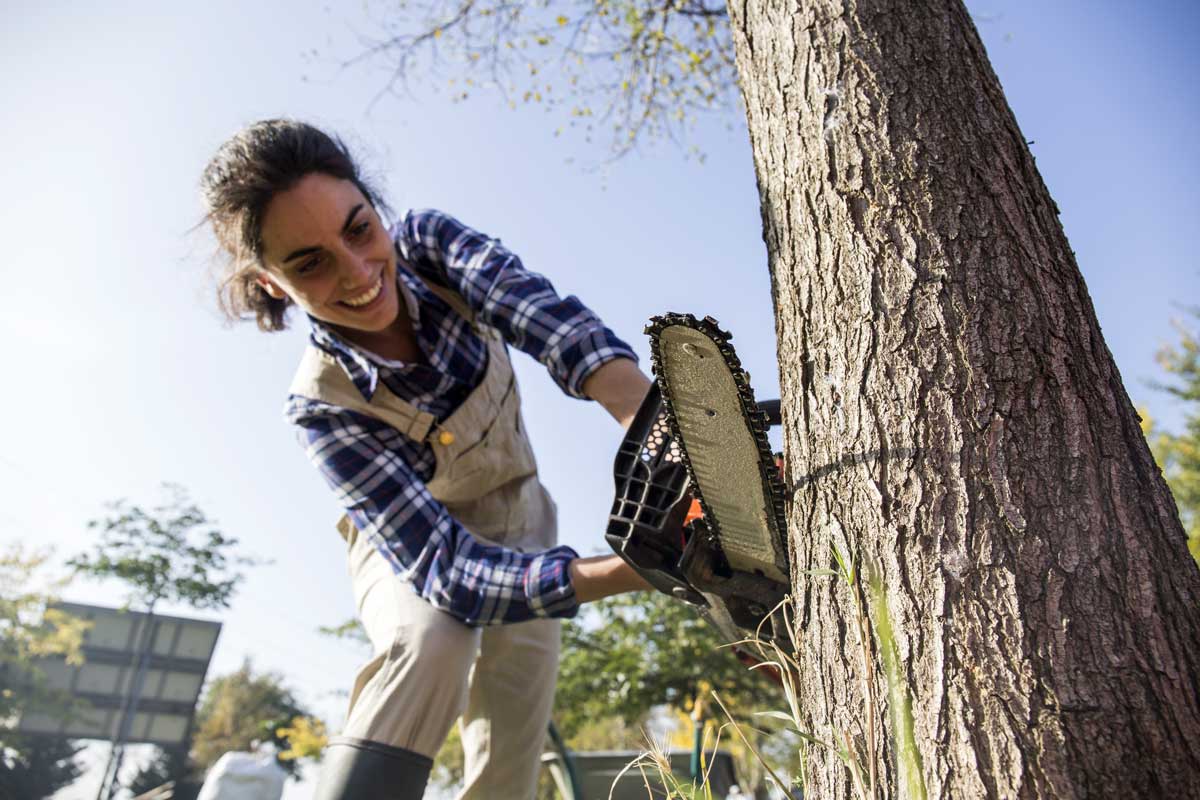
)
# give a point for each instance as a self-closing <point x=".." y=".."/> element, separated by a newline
<point x="953" y="416"/>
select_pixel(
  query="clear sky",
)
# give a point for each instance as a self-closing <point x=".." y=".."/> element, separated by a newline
<point x="120" y="374"/>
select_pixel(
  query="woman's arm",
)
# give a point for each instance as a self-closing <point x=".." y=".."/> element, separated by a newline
<point x="620" y="386"/>
<point x="477" y="582"/>
<point x="602" y="576"/>
<point x="560" y="332"/>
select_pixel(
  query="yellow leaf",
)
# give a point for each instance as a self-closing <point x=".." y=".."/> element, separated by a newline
<point x="562" y="20"/>
<point x="306" y="738"/>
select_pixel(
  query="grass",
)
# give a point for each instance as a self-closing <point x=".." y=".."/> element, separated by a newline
<point x="871" y="615"/>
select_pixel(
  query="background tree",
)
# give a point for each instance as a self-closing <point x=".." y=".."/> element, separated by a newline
<point x="171" y="553"/>
<point x="624" y="656"/>
<point x="1179" y="453"/>
<point x="628" y="70"/>
<point x="243" y="707"/>
<point x="168" y="764"/>
<point x="38" y="767"/>
<point x="955" y="429"/>
<point x="635" y="660"/>
<point x="30" y="629"/>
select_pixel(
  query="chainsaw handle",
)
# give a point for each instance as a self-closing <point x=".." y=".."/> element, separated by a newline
<point x="771" y="409"/>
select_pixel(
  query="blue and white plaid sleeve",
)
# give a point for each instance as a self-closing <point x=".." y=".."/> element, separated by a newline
<point x="478" y="583"/>
<point x="560" y="332"/>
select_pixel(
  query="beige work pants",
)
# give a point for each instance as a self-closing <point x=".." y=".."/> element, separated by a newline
<point x="429" y="669"/>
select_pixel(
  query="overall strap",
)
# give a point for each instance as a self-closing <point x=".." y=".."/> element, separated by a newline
<point x="320" y="377"/>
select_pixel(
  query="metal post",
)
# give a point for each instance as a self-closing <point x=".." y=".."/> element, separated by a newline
<point x="117" y="754"/>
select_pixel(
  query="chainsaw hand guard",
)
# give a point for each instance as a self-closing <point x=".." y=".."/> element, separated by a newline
<point x="651" y="528"/>
<point x="646" y="526"/>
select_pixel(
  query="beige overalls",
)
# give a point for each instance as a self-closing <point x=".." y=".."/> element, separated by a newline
<point x="429" y="668"/>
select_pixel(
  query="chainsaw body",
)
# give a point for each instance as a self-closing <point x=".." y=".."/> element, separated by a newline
<point x="660" y="526"/>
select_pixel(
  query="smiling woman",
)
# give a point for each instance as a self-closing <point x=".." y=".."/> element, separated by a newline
<point x="406" y="402"/>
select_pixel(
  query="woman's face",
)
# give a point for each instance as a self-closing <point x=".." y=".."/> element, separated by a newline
<point x="326" y="248"/>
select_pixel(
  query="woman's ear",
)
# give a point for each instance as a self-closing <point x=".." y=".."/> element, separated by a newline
<point x="268" y="285"/>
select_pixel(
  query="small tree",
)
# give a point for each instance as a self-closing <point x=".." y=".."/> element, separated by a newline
<point x="1179" y="453"/>
<point x="30" y="629"/>
<point x="631" y="657"/>
<point x="171" y="553"/>
<point x="247" y="706"/>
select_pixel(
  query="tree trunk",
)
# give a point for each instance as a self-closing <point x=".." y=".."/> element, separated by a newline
<point x="955" y="422"/>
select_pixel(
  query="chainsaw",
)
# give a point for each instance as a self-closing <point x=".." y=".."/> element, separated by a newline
<point x="699" y="510"/>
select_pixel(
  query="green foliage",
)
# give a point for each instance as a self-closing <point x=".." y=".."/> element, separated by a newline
<point x="1179" y="453"/>
<point x="904" y="740"/>
<point x="243" y="707"/>
<point x="629" y="69"/>
<point x="168" y="764"/>
<point x="36" y="768"/>
<point x="626" y="655"/>
<point x="172" y="552"/>
<point x="30" y="629"/>
<point x="635" y="657"/>
<point x="349" y="631"/>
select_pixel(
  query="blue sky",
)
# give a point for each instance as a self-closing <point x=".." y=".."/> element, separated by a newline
<point x="120" y="374"/>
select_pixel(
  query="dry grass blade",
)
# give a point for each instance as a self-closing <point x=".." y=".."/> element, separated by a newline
<point x="738" y="730"/>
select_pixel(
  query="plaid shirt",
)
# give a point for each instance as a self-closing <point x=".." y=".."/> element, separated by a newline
<point x="379" y="475"/>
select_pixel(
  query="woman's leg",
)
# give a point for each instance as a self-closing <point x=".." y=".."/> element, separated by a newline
<point x="405" y="698"/>
<point x="508" y="710"/>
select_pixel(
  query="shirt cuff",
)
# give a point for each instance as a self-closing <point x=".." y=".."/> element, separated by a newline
<point x="548" y="589"/>
<point x="585" y="354"/>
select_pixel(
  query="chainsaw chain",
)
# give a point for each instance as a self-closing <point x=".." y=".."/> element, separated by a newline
<point x="755" y="419"/>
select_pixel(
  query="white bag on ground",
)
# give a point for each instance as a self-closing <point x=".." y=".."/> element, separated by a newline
<point x="245" y="776"/>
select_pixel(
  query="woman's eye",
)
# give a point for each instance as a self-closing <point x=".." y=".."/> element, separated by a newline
<point x="360" y="230"/>
<point x="308" y="266"/>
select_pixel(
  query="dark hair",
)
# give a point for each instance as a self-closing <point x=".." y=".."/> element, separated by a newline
<point x="247" y="171"/>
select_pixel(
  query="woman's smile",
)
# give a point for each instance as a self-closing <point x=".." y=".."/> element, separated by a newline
<point x="361" y="301"/>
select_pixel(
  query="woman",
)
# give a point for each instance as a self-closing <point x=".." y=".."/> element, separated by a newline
<point x="406" y="402"/>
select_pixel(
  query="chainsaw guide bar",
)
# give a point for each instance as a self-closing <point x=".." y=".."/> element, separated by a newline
<point x="700" y="434"/>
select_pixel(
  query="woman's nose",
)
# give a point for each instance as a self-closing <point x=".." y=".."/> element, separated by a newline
<point x="356" y="271"/>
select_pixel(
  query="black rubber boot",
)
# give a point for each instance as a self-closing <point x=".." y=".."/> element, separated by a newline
<point x="358" y="769"/>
